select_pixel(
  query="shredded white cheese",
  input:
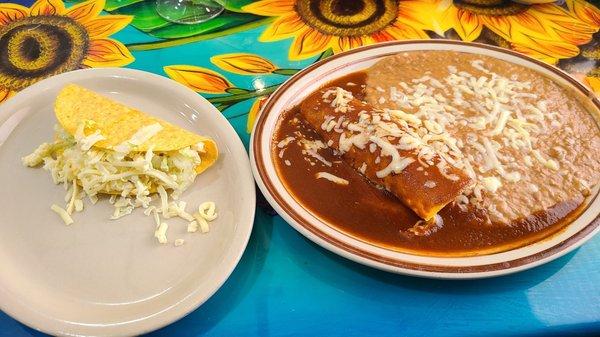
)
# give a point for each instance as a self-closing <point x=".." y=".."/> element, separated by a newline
<point x="491" y="184"/>
<point x="139" y="137"/>
<point x="363" y="168"/>
<point x="204" y="228"/>
<point x="283" y="143"/>
<point x="549" y="163"/>
<point x="89" y="141"/>
<point x="207" y="210"/>
<point x="397" y="164"/>
<point x="66" y="218"/>
<point x="78" y="205"/>
<point x="161" y="232"/>
<point x="430" y="184"/>
<point x="192" y="227"/>
<point x="332" y="178"/>
<point x="37" y="157"/>
<point x="341" y="99"/>
<point x="312" y="147"/>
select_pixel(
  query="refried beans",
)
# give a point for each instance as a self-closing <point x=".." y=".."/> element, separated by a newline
<point x="545" y="142"/>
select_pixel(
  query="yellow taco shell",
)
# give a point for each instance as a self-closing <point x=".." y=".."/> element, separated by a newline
<point x="118" y="123"/>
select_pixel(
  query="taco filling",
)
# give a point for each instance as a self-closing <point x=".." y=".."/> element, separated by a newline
<point x="103" y="147"/>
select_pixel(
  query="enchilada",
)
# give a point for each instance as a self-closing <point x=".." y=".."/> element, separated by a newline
<point x="388" y="147"/>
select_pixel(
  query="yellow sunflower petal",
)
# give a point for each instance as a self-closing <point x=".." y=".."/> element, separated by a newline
<point x="343" y="43"/>
<point x="385" y="35"/>
<point x="283" y="27"/>
<point x="533" y="2"/>
<point x="563" y="16"/>
<point x="107" y="53"/>
<point x="255" y="112"/>
<point x="594" y="83"/>
<point x="555" y="17"/>
<point x="468" y="25"/>
<point x="421" y="14"/>
<point x="400" y="31"/>
<point x="104" y="26"/>
<point x="309" y="42"/>
<point x="5" y="94"/>
<point x="243" y="63"/>
<point x="585" y="11"/>
<point x="443" y="15"/>
<point x="198" y="79"/>
<point x="573" y="36"/>
<point x="546" y="50"/>
<point x="531" y="22"/>
<point x="501" y="25"/>
<point x="270" y="7"/>
<point x="11" y="12"/>
<point x="85" y="11"/>
<point x="47" y="7"/>
<point x="540" y="22"/>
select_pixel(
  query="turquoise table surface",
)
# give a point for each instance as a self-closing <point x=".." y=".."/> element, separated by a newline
<point x="284" y="284"/>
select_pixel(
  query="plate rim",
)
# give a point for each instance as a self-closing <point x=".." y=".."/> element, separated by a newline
<point x="362" y="256"/>
<point x="192" y="300"/>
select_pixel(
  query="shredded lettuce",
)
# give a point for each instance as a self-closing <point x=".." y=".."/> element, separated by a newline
<point x="130" y="177"/>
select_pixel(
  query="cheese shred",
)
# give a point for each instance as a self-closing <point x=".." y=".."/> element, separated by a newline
<point x="332" y="178"/>
<point x="64" y="215"/>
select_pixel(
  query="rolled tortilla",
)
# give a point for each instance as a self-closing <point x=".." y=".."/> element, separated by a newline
<point x="75" y="105"/>
<point x="423" y="188"/>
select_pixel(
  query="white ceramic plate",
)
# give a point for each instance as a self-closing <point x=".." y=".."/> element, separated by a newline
<point x="98" y="276"/>
<point x="307" y="81"/>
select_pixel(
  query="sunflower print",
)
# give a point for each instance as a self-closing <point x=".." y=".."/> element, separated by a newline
<point x="48" y="39"/>
<point x="585" y="12"/>
<point x="199" y="79"/>
<point x="243" y="64"/>
<point x="539" y="29"/>
<point x="254" y="112"/>
<point x="317" y="26"/>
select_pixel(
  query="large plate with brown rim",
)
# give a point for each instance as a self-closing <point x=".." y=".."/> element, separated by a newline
<point x="526" y="134"/>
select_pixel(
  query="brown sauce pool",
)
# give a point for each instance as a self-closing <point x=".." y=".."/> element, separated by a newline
<point x="372" y="215"/>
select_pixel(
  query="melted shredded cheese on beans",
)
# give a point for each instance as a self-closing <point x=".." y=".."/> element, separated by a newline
<point x="508" y="117"/>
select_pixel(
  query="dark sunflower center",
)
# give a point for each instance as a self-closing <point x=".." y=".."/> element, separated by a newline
<point x="348" y="7"/>
<point x="37" y="47"/>
<point x="491" y="7"/>
<point x="31" y="49"/>
<point x="347" y="18"/>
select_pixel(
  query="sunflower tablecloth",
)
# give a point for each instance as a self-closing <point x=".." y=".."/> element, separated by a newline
<point x="284" y="284"/>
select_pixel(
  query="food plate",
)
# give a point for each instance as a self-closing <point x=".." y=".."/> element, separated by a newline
<point x="98" y="276"/>
<point x="284" y="196"/>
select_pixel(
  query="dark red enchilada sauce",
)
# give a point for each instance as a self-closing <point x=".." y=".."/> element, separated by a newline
<point x="373" y="215"/>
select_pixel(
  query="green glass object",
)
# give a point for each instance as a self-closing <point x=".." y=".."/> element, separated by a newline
<point x="188" y="11"/>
